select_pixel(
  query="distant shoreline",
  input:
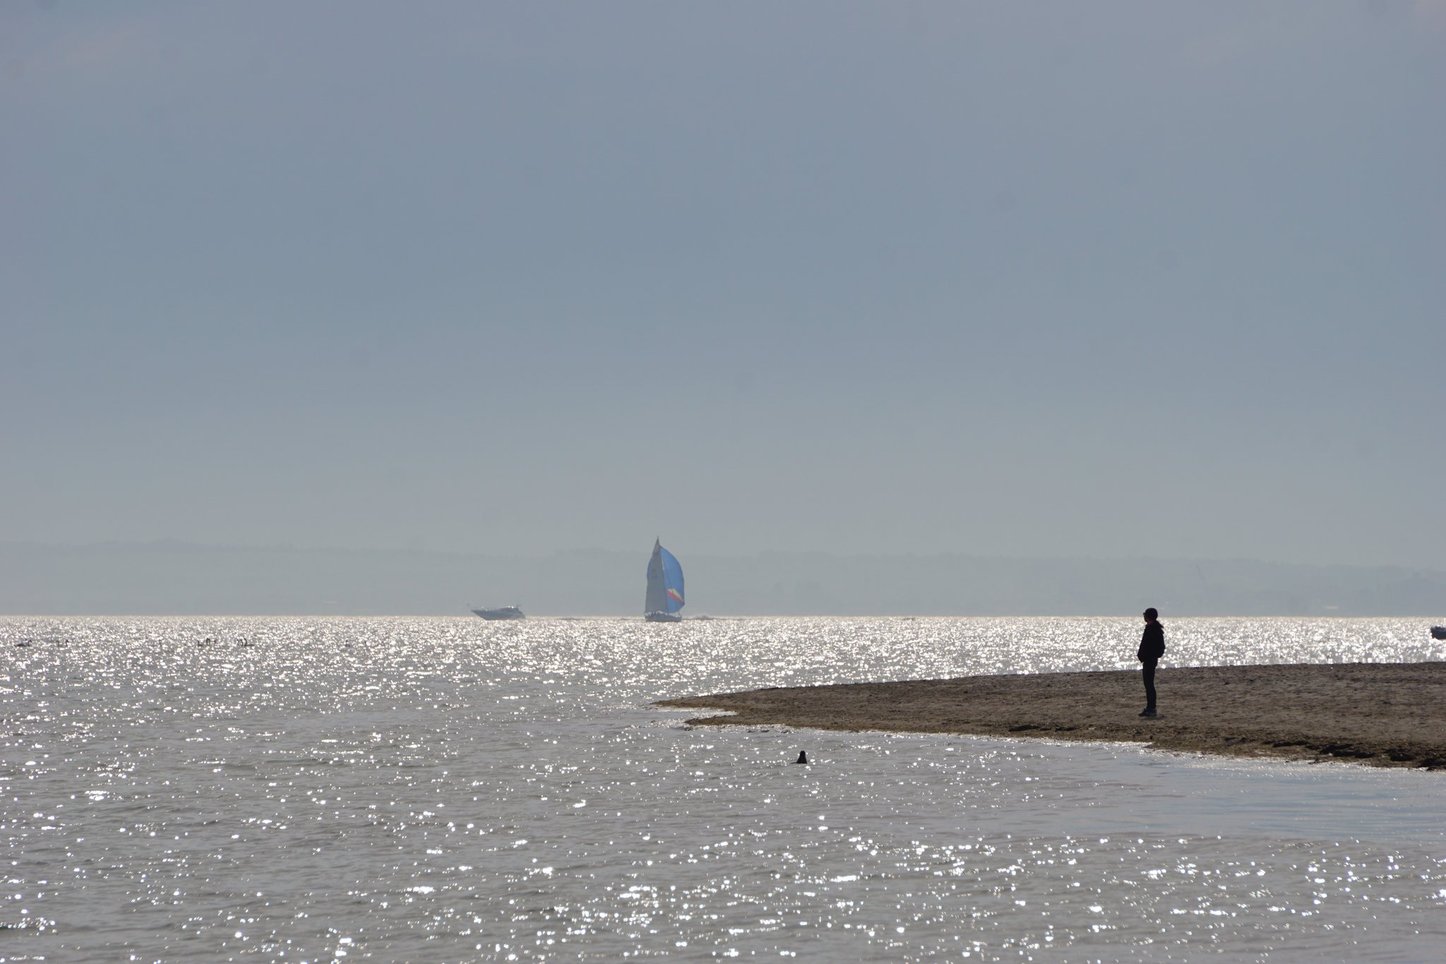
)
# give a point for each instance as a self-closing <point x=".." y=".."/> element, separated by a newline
<point x="177" y="578"/>
<point x="1377" y="714"/>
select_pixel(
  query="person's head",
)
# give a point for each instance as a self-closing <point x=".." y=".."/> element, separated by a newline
<point x="1151" y="615"/>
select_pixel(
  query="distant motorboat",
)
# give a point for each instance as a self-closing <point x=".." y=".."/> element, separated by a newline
<point x="1438" y="632"/>
<point x="506" y="612"/>
<point x="665" y="587"/>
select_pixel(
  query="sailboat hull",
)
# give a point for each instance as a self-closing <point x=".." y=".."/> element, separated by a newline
<point x="506" y="612"/>
<point x="662" y="617"/>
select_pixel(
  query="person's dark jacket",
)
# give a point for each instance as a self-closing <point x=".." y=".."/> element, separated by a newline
<point x="1152" y="642"/>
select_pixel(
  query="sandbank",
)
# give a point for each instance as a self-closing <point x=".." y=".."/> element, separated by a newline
<point x="1379" y="714"/>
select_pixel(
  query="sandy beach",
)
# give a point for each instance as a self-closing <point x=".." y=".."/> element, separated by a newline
<point x="1371" y="713"/>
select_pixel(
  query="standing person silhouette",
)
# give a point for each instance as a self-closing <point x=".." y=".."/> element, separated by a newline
<point x="1152" y="647"/>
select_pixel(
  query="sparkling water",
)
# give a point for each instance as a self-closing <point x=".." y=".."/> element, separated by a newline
<point x="325" y="789"/>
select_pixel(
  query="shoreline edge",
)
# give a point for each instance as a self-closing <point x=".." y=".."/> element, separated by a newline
<point x="1376" y="714"/>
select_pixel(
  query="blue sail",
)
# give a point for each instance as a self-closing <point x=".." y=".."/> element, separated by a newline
<point x="665" y="586"/>
<point x="672" y="580"/>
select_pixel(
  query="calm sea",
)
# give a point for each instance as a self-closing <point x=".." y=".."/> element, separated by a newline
<point x="326" y="789"/>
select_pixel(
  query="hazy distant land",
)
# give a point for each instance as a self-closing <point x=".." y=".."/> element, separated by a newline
<point x="182" y="579"/>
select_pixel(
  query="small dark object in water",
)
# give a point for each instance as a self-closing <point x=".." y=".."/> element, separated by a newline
<point x="802" y="757"/>
<point x="1438" y="632"/>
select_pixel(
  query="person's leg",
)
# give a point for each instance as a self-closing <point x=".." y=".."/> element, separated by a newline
<point x="1149" y="674"/>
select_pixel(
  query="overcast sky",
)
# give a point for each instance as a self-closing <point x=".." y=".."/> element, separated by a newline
<point x="1036" y="279"/>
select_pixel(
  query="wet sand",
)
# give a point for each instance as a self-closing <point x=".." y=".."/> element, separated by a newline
<point x="1372" y="713"/>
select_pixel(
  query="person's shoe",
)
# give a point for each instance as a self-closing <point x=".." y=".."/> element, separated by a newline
<point x="1148" y="711"/>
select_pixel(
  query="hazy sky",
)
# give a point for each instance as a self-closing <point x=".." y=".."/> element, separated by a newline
<point x="1026" y="278"/>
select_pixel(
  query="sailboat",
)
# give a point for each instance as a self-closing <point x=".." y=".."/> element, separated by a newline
<point x="665" y="587"/>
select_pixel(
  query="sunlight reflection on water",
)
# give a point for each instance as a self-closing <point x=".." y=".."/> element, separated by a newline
<point x="453" y="789"/>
